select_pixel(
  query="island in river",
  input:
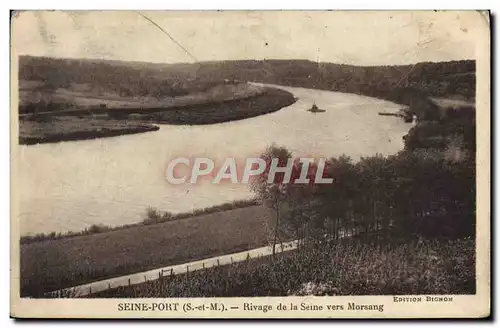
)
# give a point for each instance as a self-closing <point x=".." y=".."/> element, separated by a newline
<point x="58" y="129"/>
<point x="243" y="101"/>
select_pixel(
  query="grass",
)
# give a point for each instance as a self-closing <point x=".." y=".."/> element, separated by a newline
<point x="271" y="100"/>
<point x="350" y="268"/>
<point x="153" y="216"/>
<point x="60" y="263"/>
<point x="56" y="129"/>
<point x="79" y="99"/>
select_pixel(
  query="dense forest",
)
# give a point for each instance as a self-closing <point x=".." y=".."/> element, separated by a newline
<point x="440" y="79"/>
<point x="122" y="78"/>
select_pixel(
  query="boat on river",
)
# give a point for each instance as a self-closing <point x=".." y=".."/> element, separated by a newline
<point x="316" y="109"/>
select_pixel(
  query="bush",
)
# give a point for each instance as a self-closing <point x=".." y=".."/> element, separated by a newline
<point x="156" y="216"/>
<point x="96" y="228"/>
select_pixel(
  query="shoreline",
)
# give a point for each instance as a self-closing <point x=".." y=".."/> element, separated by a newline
<point x="79" y="135"/>
<point x="147" y="221"/>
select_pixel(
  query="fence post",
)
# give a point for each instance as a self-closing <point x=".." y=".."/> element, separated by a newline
<point x="218" y="262"/>
<point x="129" y="281"/>
<point x="109" y="285"/>
<point x="231" y="260"/>
<point x="145" y="279"/>
<point x="90" y="290"/>
<point x="203" y="264"/>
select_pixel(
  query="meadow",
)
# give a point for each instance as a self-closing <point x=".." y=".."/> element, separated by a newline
<point x="153" y="216"/>
<point x="53" y="264"/>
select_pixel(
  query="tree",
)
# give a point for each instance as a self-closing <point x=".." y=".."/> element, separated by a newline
<point x="304" y="211"/>
<point x="300" y="211"/>
<point x="272" y="193"/>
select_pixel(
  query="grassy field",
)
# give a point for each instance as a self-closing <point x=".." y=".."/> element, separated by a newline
<point x="55" y="264"/>
<point x="270" y="100"/>
<point x="77" y="96"/>
<point x="419" y="267"/>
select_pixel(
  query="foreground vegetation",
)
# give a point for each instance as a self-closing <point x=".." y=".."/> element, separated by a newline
<point x="421" y="196"/>
<point x="54" y="264"/>
<point x="402" y="224"/>
<point x="343" y="268"/>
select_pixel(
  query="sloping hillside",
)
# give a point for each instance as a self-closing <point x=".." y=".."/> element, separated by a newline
<point x="443" y="79"/>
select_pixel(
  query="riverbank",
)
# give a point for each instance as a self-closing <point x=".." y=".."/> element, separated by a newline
<point x="153" y="216"/>
<point x="57" y="129"/>
<point x="269" y="101"/>
<point x="55" y="264"/>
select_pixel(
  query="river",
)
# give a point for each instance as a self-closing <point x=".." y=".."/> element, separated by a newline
<point x="71" y="185"/>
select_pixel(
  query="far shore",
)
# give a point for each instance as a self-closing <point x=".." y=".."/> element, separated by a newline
<point x="73" y="128"/>
<point x="50" y="127"/>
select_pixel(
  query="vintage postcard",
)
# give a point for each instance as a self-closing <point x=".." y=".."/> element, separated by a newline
<point x="250" y="164"/>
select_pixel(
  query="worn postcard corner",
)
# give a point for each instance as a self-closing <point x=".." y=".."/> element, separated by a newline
<point x="256" y="164"/>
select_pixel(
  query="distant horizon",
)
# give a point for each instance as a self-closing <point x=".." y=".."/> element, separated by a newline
<point x="237" y="60"/>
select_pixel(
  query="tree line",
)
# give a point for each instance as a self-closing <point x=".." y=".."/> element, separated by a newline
<point x="112" y="77"/>
<point x="379" y="199"/>
<point x="439" y="79"/>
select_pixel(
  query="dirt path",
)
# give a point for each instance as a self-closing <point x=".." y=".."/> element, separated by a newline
<point x="140" y="277"/>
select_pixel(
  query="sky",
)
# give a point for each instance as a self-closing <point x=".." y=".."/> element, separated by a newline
<point x="357" y="38"/>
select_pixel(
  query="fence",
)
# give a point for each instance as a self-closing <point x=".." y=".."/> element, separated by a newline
<point x="133" y="279"/>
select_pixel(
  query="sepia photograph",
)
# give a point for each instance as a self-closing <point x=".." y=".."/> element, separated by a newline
<point x="250" y="164"/>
